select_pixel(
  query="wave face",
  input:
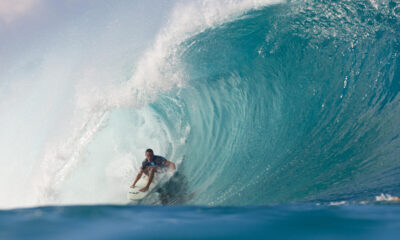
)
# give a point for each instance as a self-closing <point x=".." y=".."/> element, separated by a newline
<point x="293" y="102"/>
<point x="257" y="104"/>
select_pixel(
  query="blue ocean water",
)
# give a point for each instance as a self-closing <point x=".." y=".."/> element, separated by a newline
<point x="274" y="112"/>
<point x="149" y="222"/>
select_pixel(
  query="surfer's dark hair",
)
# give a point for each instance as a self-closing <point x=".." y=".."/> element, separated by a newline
<point x="149" y="150"/>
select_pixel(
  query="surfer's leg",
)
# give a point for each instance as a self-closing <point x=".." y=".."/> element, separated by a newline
<point x="152" y="171"/>
<point x="146" y="171"/>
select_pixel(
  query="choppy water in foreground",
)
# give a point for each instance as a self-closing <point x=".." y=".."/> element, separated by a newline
<point x="139" y="222"/>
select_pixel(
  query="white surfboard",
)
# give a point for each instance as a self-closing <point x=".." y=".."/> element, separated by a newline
<point x="135" y="194"/>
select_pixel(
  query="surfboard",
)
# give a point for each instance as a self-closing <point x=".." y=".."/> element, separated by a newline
<point x="135" y="194"/>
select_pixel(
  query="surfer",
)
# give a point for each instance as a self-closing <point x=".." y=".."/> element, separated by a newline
<point x="150" y="166"/>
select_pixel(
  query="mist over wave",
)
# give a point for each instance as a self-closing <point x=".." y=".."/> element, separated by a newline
<point x="258" y="102"/>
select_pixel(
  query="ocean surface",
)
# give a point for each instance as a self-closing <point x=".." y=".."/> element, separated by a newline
<point x="184" y="222"/>
<point x="282" y="117"/>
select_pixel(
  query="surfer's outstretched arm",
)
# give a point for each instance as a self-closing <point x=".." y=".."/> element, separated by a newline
<point x="145" y="188"/>
<point x="137" y="178"/>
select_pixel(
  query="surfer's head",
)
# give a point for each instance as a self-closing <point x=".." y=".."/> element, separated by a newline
<point x="149" y="154"/>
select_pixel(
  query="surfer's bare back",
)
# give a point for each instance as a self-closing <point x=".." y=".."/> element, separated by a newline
<point x="150" y="166"/>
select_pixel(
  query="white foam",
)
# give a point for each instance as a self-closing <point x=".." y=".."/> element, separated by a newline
<point x="337" y="203"/>
<point x="386" y="198"/>
<point x="159" y="69"/>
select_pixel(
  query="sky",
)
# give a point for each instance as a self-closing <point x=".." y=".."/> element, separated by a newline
<point x="29" y="24"/>
<point x="12" y="10"/>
